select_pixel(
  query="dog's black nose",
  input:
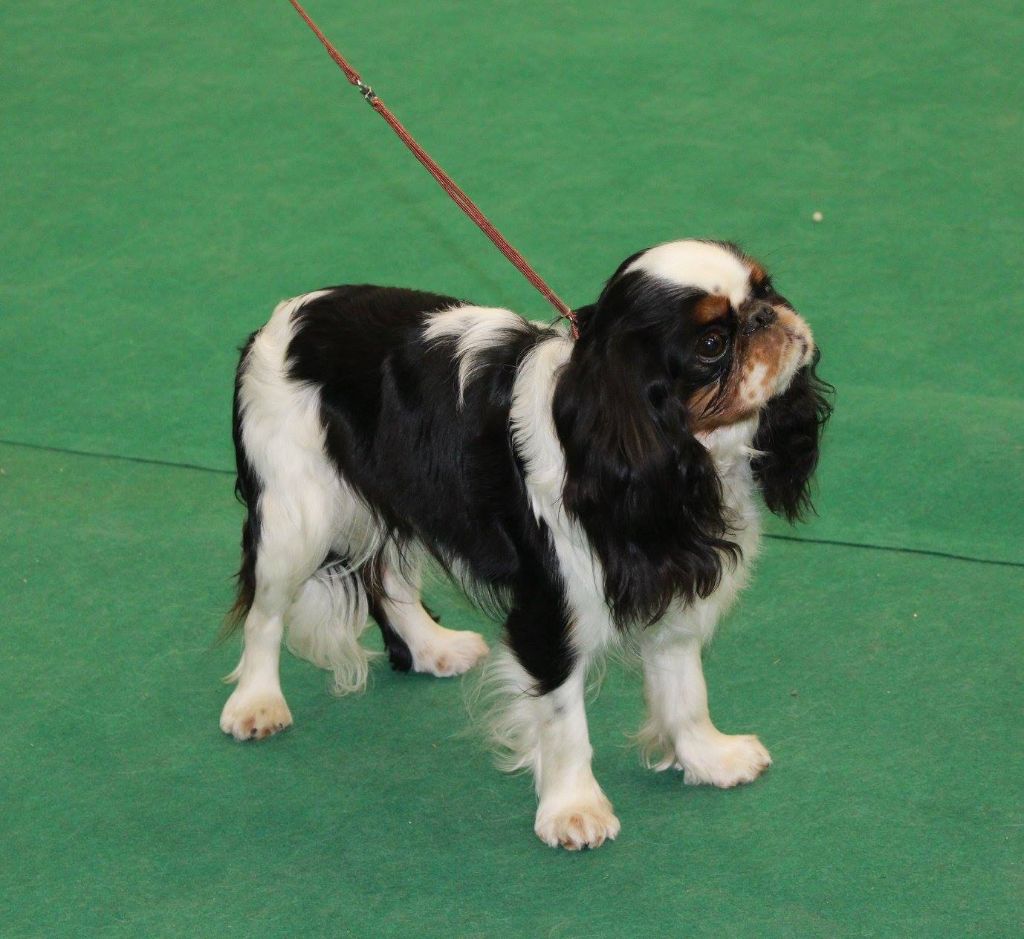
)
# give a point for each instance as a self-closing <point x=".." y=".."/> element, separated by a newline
<point x="764" y="315"/>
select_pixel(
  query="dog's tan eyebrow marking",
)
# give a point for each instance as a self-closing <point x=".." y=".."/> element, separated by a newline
<point x="711" y="308"/>
<point x="758" y="275"/>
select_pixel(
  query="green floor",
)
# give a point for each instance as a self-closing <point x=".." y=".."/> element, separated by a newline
<point x="170" y="171"/>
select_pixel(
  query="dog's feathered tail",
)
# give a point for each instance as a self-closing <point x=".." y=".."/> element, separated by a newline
<point x="247" y="490"/>
<point x="324" y="624"/>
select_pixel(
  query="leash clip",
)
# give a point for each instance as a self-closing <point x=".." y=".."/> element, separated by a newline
<point x="366" y="91"/>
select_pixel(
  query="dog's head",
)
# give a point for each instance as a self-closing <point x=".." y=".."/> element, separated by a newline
<point x="686" y="340"/>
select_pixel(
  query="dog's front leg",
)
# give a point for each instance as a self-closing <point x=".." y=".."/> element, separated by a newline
<point x="679" y="732"/>
<point x="572" y="811"/>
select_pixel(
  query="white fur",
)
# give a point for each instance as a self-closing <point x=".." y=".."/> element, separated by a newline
<point x="536" y="442"/>
<point x="301" y="498"/>
<point x="324" y="624"/>
<point x="572" y="810"/>
<point x="284" y="439"/>
<point x="698" y="264"/>
<point x="308" y="510"/>
<point x="549" y="733"/>
<point x="797" y="330"/>
<point x="435" y="650"/>
<point x="476" y="329"/>
<point x="507" y="690"/>
<point x="678" y="731"/>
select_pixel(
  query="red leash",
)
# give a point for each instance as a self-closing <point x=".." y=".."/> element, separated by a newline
<point x="447" y="183"/>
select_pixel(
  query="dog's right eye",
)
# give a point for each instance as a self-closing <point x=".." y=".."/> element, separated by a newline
<point x="712" y="346"/>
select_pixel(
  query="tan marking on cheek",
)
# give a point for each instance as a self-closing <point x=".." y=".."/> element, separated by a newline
<point x="709" y="309"/>
<point x="765" y="349"/>
<point x="762" y="363"/>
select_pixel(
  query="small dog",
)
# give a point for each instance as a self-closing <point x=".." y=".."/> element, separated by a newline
<point x="590" y="489"/>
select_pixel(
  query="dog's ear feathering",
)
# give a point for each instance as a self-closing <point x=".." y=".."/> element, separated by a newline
<point x="788" y="442"/>
<point x="644" y="489"/>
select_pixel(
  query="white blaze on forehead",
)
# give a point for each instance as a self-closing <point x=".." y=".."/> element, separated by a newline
<point x="708" y="267"/>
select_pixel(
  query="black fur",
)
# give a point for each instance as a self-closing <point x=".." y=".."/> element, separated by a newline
<point x="398" y="651"/>
<point x="396" y="647"/>
<point x="644" y="489"/>
<point x="247" y="491"/>
<point x="789" y="439"/>
<point x="443" y="474"/>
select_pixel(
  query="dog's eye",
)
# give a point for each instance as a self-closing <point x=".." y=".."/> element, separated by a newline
<point x="712" y="346"/>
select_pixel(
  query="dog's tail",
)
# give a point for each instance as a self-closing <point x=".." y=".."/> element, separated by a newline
<point x="325" y="622"/>
<point x="247" y="490"/>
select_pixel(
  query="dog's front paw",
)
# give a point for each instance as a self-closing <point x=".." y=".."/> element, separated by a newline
<point x="254" y="715"/>
<point x="449" y="652"/>
<point x="722" y="760"/>
<point x="587" y="823"/>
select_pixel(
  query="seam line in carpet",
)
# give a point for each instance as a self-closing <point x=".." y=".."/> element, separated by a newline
<point x="197" y="467"/>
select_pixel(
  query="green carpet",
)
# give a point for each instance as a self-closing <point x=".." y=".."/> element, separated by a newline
<point x="170" y="171"/>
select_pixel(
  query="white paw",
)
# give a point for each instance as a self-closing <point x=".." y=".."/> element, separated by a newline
<point x="448" y="652"/>
<point x="587" y="823"/>
<point x="254" y="715"/>
<point x="722" y="760"/>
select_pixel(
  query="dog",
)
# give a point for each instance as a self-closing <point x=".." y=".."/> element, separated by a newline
<point x="591" y="489"/>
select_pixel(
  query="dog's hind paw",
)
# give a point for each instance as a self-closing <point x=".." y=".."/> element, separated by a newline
<point x="722" y="760"/>
<point x="448" y="652"/>
<point x="253" y="716"/>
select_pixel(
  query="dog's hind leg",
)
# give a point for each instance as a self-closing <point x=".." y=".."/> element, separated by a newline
<point x="295" y="534"/>
<point x="415" y="641"/>
<point x="257" y="708"/>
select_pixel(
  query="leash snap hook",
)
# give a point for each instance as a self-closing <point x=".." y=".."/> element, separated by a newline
<point x="365" y="90"/>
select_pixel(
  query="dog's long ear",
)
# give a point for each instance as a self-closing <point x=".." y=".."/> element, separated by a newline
<point x="642" y="486"/>
<point x="789" y="439"/>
